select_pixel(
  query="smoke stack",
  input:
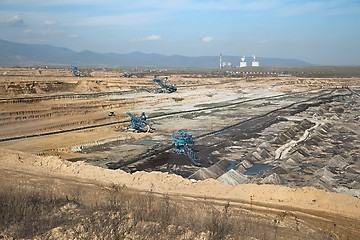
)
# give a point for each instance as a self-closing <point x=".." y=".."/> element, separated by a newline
<point x="220" y="60"/>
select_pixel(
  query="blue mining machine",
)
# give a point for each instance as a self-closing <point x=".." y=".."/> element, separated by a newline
<point x="165" y="85"/>
<point x="76" y="72"/>
<point x="139" y="124"/>
<point x="184" y="144"/>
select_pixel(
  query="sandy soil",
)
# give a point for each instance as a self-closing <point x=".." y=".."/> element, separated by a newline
<point x="312" y="206"/>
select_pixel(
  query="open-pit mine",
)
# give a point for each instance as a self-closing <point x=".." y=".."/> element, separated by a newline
<point x="260" y="129"/>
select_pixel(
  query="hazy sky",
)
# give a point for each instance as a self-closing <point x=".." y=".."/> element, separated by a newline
<point x="325" y="32"/>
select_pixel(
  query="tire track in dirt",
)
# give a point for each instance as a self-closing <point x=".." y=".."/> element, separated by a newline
<point x="343" y="227"/>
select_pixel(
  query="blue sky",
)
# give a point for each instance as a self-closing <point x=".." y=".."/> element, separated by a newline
<point x="324" y="32"/>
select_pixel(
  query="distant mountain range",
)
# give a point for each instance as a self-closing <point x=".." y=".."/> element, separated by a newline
<point x="19" y="54"/>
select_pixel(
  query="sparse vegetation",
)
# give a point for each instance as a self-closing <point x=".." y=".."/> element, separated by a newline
<point x="29" y="214"/>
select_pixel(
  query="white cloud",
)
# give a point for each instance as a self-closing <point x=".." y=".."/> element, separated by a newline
<point x="50" y="23"/>
<point x="13" y="21"/>
<point x="74" y="35"/>
<point x="207" y="39"/>
<point x="41" y="32"/>
<point x="152" y="38"/>
<point x="148" y="38"/>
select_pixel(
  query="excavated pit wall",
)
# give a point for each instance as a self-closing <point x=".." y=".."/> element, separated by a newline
<point x="325" y="158"/>
<point x="305" y="145"/>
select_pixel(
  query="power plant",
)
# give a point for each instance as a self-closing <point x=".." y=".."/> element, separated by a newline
<point x="243" y="63"/>
<point x="254" y="62"/>
<point x="221" y="60"/>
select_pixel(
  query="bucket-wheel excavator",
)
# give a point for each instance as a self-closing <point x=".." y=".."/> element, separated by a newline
<point x="138" y="124"/>
<point x="165" y="85"/>
<point x="76" y="72"/>
<point x="184" y="144"/>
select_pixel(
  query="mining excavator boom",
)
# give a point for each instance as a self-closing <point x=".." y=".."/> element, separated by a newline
<point x="138" y="124"/>
<point x="165" y="85"/>
<point x="76" y="72"/>
<point x="184" y="144"/>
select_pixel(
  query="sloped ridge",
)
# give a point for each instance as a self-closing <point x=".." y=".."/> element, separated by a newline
<point x="214" y="171"/>
<point x="233" y="177"/>
<point x="306" y="151"/>
<point x="274" y="179"/>
<point x="337" y="162"/>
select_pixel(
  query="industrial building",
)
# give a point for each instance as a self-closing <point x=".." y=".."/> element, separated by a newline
<point x="243" y="63"/>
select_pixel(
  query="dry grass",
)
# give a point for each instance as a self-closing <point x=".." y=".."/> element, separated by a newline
<point x="29" y="214"/>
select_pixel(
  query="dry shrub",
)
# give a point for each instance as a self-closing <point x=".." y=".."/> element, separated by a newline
<point x="220" y="225"/>
<point x="123" y="214"/>
<point x="27" y="212"/>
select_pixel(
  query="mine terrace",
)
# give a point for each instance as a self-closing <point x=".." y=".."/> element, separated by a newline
<point x="295" y="126"/>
